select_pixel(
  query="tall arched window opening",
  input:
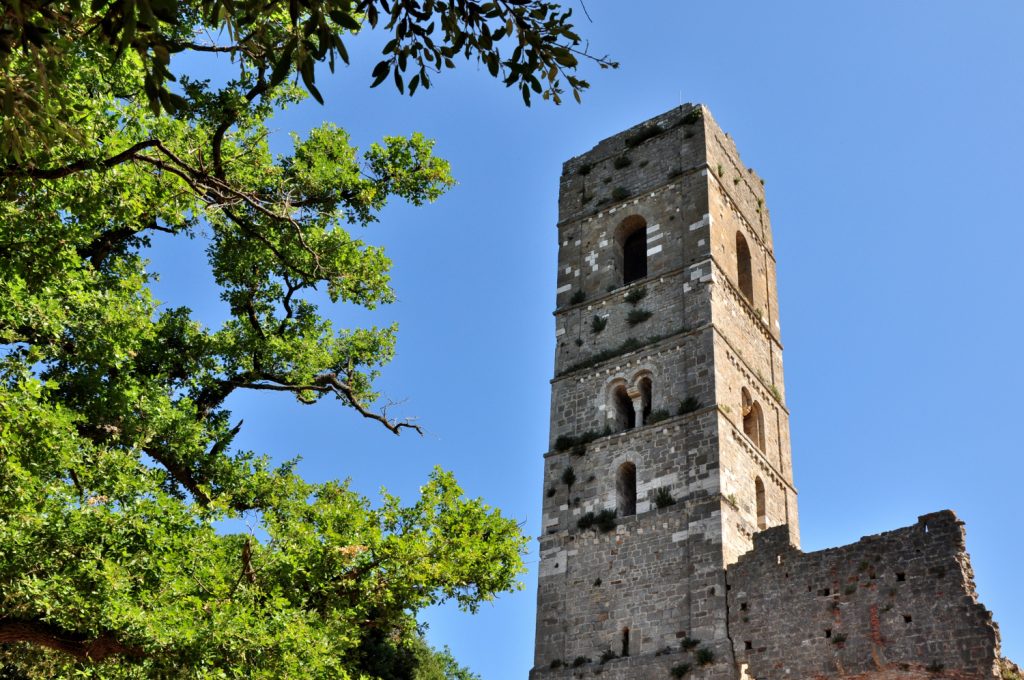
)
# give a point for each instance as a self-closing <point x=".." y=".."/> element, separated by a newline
<point x="753" y="420"/>
<point x="632" y="238"/>
<point x="744" y="273"/>
<point x="625" y="414"/>
<point x="762" y="516"/>
<point x="625" y="489"/>
<point x="645" y="397"/>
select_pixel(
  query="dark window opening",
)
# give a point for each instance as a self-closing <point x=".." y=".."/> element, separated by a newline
<point x="743" y="268"/>
<point x="634" y="256"/>
<point x="828" y="632"/>
<point x="907" y="618"/>
<point x="762" y="516"/>
<point x="625" y="414"/>
<point x="625" y="489"/>
<point x="900" y="576"/>
<point x="753" y="420"/>
<point x="747" y="644"/>
<point x="625" y="642"/>
<point x="743" y="606"/>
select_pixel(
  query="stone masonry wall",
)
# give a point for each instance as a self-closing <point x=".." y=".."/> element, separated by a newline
<point x="898" y="604"/>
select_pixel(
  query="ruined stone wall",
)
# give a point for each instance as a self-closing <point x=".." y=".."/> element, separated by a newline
<point x="900" y="604"/>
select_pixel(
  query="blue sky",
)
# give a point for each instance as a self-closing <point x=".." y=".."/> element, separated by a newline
<point x="889" y="137"/>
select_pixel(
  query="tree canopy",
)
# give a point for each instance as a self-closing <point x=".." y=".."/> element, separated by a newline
<point x="116" y="447"/>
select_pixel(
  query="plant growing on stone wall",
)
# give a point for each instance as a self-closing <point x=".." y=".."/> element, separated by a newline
<point x="663" y="497"/>
<point x="621" y="162"/>
<point x="603" y="521"/>
<point x="688" y="405"/>
<point x="568" y="476"/>
<point x="705" y="656"/>
<point x="680" y="670"/>
<point x="688" y="643"/>
<point x="935" y="667"/>
<point x="636" y="295"/>
<point x="597" y="582"/>
<point x="620" y="194"/>
<point x="607" y="655"/>
<point x="674" y="172"/>
<point x="656" y="417"/>
<point x="598" y="323"/>
<point x="735" y="181"/>
<point x="585" y="169"/>
<point x="721" y="170"/>
<point x="638" y="316"/>
<point x="551" y="491"/>
<point x="577" y="444"/>
<point x="580" y="660"/>
<point x="776" y="393"/>
<point x="839" y="639"/>
<point x="557" y="663"/>
<point x="642" y="135"/>
<point x="577" y="297"/>
<point x="694" y="116"/>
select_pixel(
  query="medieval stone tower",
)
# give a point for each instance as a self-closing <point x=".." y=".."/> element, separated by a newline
<point x="669" y="445"/>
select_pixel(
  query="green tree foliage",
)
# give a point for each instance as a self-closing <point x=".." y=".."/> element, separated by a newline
<point x="116" y="455"/>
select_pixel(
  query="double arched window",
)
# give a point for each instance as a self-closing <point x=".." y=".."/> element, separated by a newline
<point x="629" y="404"/>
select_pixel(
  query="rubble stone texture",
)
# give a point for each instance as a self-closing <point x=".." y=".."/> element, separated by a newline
<point x="668" y="413"/>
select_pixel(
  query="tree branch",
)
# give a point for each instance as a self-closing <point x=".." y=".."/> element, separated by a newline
<point x="70" y="642"/>
<point x="79" y="165"/>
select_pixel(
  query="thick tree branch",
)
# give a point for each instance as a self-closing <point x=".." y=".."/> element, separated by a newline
<point x="76" y="644"/>
<point x="79" y="165"/>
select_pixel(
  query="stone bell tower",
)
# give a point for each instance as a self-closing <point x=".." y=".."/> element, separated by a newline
<point x="669" y="443"/>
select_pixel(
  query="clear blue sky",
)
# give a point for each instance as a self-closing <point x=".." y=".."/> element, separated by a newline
<point x="889" y="134"/>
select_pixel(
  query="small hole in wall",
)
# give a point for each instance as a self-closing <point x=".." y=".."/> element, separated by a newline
<point x="828" y="632"/>
<point x="556" y="565"/>
<point x="907" y="618"/>
<point x="711" y="591"/>
<point x="900" y="576"/>
<point x="747" y="644"/>
<point x="743" y="606"/>
<point x="824" y="592"/>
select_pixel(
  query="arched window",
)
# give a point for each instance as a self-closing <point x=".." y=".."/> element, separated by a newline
<point x="645" y="397"/>
<point x="625" y="414"/>
<point x="632" y="240"/>
<point x="753" y="420"/>
<point x="762" y="517"/>
<point x="625" y="489"/>
<point x="743" y="269"/>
